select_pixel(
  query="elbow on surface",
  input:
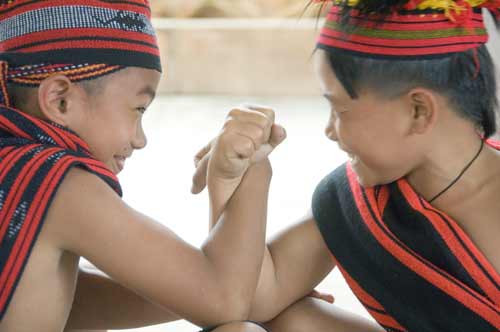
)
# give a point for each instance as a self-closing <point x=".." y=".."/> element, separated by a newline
<point x="230" y="308"/>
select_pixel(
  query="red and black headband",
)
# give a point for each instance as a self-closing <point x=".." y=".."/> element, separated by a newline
<point x="418" y="29"/>
<point x="81" y="39"/>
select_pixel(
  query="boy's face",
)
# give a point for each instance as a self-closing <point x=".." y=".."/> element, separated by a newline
<point x="375" y="132"/>
<point x="110" y="120"/>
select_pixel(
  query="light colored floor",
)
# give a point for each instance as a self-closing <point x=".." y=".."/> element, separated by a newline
<point x="157" y="179"/>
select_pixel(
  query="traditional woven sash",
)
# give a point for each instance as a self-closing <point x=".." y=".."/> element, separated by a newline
<point x="81" y="39"/>
<point x="411" y="266"/>
<point x="34" y="158"/>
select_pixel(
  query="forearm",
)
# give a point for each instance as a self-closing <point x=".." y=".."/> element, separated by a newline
<point x="101" y="303"/>
<point x="236" y="244"/>
<point x="294" y="263"/>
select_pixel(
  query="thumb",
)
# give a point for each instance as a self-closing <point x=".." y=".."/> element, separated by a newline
<point x="200" y="175"/>
<point x="278" y="135"/>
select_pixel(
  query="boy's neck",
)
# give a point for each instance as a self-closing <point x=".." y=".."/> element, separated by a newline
<point x="449" y="155"/>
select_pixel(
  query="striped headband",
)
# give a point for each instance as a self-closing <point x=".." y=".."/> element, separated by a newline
<point x="418" y="29"/>
<point x="82" y="39"/>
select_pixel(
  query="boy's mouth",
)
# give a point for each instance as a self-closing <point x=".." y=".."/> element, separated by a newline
<point x="120" y="162"/>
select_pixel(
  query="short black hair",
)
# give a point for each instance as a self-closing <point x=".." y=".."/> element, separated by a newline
<point x="21" y="94"/>
<point x="467" y="79"/>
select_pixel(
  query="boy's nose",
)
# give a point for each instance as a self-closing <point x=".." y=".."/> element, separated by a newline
<point x="330" y="131"/>
<point x="140" y="140"/>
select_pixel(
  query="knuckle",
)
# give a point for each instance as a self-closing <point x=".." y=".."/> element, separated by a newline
<point x="235" y="112"/>
<point x="245" y="147"/>
<point x="269" y="112"/>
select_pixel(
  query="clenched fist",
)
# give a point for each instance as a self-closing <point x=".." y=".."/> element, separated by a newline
<point x="248" y="136"/>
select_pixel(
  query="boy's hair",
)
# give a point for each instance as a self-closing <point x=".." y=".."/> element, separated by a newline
<point x="471" y="91"/>
<point x="22" y="97"/>
<point x="392" y="46"/>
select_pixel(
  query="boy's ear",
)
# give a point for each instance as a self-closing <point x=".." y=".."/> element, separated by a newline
<point x="55" y="98"/>
<point x="424" y="110"/>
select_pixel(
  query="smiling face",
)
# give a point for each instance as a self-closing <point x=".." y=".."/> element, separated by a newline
<point x="109" y="120"/>
<point x="383" y="137"/>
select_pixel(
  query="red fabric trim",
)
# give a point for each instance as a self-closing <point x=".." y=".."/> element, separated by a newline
<point x="365" y="298"/>
<point x="455" y="245"/>
<point x="4" y="152"/>
<point x="13" y="158"/>
<point x="383" y="199"/>
<point x="396" y="51"/>
<point x="65" y="33"/>
<point x="9" y="126"/>
<point x="408" y="258"/>
<point x="86" y="44"/>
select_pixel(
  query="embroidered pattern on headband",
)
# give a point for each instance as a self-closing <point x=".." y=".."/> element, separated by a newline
<point x="33" y="75"/>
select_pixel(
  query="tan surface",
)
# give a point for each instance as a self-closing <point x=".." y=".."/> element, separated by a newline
<point x="228" y="8"/>
<point x="255" y="57"/>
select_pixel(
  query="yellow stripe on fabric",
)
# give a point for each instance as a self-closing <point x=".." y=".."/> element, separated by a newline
<point x="403" y="34"/>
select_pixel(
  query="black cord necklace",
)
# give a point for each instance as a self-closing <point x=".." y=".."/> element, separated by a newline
<point x="461" y="173"/>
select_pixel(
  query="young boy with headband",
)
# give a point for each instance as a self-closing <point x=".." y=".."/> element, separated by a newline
<point x="75" y="80"/>
<point x="412" y="220"/>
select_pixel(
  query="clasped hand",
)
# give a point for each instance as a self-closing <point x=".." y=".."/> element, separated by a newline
<point x="248" y="136"/>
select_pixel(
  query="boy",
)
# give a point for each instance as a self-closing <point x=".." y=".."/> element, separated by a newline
<point x="411" y="88"/>
<point x="76" y="78"/>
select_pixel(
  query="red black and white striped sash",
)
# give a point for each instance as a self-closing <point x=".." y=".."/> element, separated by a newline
<point x="34" y="158"/>
<point x="412" y="266"/>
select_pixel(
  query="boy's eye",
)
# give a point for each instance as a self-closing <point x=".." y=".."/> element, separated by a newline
<point x="141" y="109"/>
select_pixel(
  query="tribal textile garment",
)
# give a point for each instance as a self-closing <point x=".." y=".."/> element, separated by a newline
<point x="34" y="158"/>
<point x="411" y="266"/>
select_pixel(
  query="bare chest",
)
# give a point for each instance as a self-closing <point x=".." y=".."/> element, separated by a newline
<point x="482" y="226"/>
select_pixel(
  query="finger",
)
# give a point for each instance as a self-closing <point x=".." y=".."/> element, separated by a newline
<point x="200" y="154"/>
<point x="270" y="115"/>
<point x="278" y="135"/>
<point x="322" y="296"/>
<point x="245" y="115"/>
<point x="247" y="129"/>
<point x="267" y="111"/>
<point x="328" y="298"/>
<point x="199" y="181"/>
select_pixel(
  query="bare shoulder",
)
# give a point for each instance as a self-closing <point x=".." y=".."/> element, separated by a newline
<point x="83" y="205"/>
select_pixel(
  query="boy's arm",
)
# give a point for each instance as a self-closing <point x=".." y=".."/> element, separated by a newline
<point x="295" y="262"/>
<point x="207" y="286"/>
<point x="102" y="302"/>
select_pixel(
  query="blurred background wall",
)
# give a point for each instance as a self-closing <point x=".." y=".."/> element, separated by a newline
<point x="242" y="47"/>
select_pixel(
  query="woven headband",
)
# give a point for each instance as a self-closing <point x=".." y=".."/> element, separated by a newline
<point x="419" y="29"/>
<point x="82" y="39"/>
